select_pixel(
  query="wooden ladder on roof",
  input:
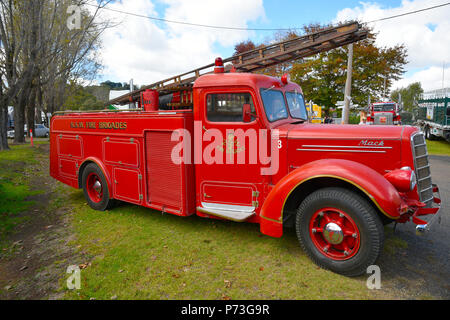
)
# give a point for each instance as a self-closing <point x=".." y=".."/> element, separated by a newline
<point x="260" y="58"/>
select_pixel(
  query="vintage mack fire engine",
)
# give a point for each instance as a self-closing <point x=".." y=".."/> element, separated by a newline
<point x="230" y="144"/>
<point x="384" y="113"/>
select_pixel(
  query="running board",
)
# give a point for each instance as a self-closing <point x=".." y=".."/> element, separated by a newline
<point x="234" y="215"/>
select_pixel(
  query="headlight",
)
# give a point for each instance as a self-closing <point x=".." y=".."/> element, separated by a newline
<point x="403" y="179"/>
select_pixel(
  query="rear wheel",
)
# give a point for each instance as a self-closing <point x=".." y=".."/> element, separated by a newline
<point x="339" y="230"/>
<point x="95" y="188"/>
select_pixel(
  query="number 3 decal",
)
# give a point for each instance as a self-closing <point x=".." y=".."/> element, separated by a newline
<point x="279" y="144"/>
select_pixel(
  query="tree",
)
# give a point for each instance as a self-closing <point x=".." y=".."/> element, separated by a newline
<point x="18" y="53"/>
<point x="410" y="95"/>
<point x="244" y="46"/>
<point x="39" y="54"/>
<point x="74" y="62"/>
<point x="80" y="98"/>
<point x="112" y="85"/>
<point x="322" y="76"/>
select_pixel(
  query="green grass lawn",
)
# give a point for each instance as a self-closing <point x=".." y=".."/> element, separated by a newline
<point x="438" y="147"/>
<point x="14" y="186"/>
<point x="138" y="253"/>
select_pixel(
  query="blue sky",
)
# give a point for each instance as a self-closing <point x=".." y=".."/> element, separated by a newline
<point x="148" y="51"/>
<point x="291" y="13"/>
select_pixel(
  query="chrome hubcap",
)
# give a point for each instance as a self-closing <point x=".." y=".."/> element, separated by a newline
<point x="97" y="187"/>
<point x="333" y="233"/>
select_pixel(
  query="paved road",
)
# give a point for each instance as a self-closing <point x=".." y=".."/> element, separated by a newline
<point x="422" y="269"/>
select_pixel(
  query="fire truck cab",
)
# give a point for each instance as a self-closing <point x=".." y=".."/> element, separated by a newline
<point x="384" y="113"/>
<point x="246" y="152"/>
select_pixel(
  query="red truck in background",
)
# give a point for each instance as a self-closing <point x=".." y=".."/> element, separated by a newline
<point x="384" y="113"/>
<point x="238" y="146"/>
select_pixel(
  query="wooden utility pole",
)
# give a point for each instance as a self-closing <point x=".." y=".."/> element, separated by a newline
<point x="348" y="85"/>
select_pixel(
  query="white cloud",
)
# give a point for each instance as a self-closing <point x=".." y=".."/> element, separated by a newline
<point x="430" y="78"/>
<point x="148" y="51"/>
<point x="426" y="36"/>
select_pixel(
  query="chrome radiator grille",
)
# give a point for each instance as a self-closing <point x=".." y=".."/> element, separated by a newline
<point x="387" y="118"/>
<point x="422" y="168"/>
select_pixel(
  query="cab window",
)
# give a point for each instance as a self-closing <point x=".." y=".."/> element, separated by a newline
<point x="296" y="105"/>
<point x="274" y="104"/>
<point x="227" y="107"/>
<point x="384" y="107"/>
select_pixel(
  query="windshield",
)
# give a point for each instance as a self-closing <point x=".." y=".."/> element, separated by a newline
<point x="384" y="107"/>
<point x="274" y="104"/>
<point x="296" y="105"/>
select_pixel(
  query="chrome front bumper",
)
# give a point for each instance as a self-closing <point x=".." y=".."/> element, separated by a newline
<point x="422" y="225"/>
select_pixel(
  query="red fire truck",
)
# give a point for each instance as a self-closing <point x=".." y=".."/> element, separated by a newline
<point x="237" y="145"/>
<point x="384" y="113"/>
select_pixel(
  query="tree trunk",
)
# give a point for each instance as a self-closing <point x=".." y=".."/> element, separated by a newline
<point x="3" y="121"/>
<point x="3" y="128"/>
<point x="39" y="105"/>
<point x="19" y="114"/>
<point x="31" y="111"/>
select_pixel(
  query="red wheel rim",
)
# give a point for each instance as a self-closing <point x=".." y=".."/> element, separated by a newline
<point x="334" y="233"/>
<point x="94" y="187"/>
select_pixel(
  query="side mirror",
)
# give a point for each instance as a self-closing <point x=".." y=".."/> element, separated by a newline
<point x="247" y="113"/>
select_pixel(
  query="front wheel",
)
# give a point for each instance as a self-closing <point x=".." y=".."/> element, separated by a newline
<point x="339" y="230"/>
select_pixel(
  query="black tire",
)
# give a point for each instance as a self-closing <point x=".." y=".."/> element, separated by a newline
<point x="97" y="200"/>
<point x="369" y="232"/>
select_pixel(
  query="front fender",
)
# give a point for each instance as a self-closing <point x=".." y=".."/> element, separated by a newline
<point x="380" y="191"/>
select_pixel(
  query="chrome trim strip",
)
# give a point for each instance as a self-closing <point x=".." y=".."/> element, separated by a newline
<point x="360" y="147"/>
<point x="424" y="178"/>
<point x="344" y="138"/>
<point x="340" y="150"/>
<point x="428" y="199"/>
<point x="426" y="189"/>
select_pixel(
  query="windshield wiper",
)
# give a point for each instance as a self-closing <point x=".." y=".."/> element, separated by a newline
<point x="264" y="90"/>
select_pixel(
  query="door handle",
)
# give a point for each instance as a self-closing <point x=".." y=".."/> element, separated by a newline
<point x="206" y="196"/>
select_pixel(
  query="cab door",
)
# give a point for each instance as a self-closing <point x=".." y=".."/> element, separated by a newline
<point x="229" y="180"/>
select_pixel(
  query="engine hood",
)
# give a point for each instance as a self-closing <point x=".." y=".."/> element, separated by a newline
<point x="339" y="131"/>
<point x="379" y="147"/>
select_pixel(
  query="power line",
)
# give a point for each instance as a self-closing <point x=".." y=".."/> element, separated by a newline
<point x="251" y="29"/>
<point x="408" y="13"/>
<point x="192" y="24"/>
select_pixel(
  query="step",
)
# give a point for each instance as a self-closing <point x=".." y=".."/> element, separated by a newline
<point x="230" y="212"/>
